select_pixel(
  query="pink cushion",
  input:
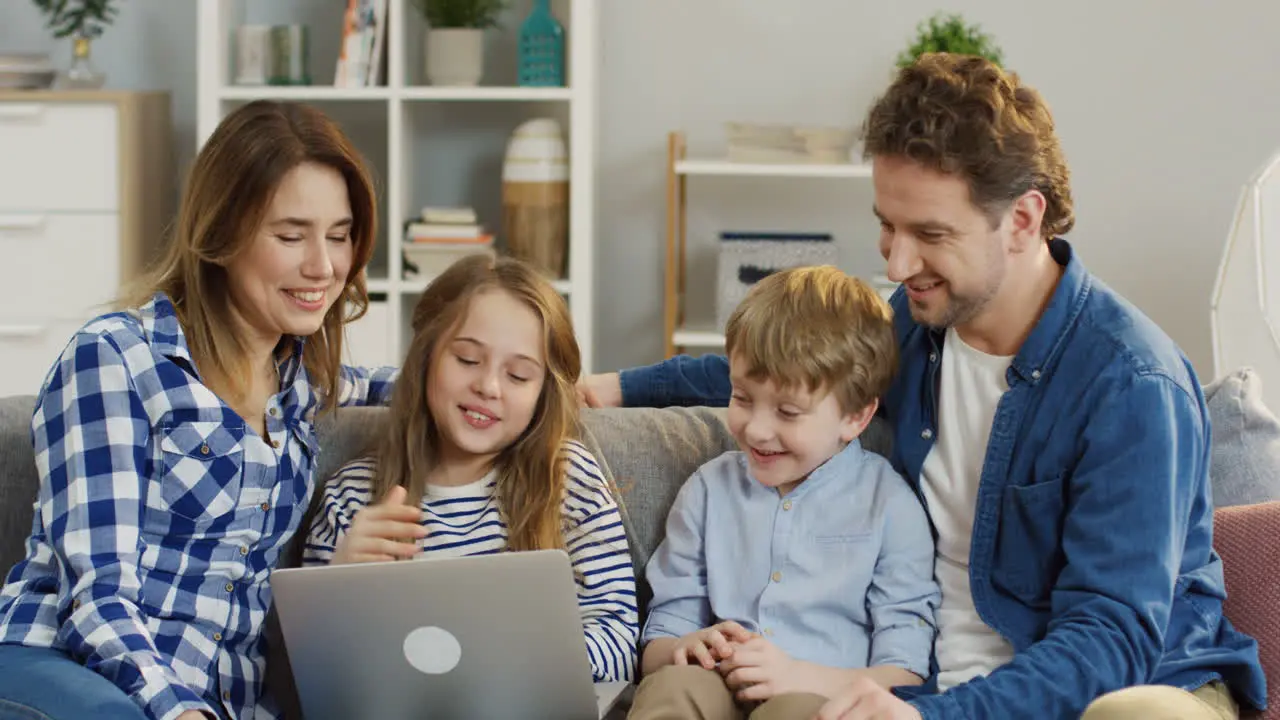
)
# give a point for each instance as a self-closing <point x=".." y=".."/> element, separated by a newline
<point x="1248" y="539"/>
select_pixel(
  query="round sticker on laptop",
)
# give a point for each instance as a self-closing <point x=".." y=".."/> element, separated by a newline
<point x="432" y="650"/>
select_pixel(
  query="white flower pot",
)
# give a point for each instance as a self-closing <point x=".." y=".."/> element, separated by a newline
<point x="455" y="56"/>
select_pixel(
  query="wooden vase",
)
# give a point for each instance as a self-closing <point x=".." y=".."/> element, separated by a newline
<point x="535" y="197"/>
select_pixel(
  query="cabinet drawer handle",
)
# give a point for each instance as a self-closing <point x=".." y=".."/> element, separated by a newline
<point x="20" y="111"/>
<point x="21" y="222"/>
<point x="21" y="331"/>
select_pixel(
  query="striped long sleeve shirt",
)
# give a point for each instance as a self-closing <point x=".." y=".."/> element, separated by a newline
<point x="160" y="515"/>
<point x="466" y="521"/>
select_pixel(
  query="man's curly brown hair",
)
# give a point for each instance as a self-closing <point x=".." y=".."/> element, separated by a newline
<point x="962" y="115"/>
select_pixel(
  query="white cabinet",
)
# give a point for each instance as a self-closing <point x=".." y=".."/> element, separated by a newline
<point x="86" y="190"/>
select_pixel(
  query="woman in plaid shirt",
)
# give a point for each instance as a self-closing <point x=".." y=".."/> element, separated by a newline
<point x="175" y="438"/>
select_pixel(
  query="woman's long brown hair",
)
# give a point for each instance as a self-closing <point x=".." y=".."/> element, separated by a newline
<point x="531" y="471"/>
<point x="228" y="193"/>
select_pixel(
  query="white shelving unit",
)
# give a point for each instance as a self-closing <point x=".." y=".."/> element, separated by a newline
<point x="410" y="116"/>
<point x="679" y="338"/>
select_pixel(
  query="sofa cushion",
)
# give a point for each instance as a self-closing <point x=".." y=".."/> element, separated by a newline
<point x="1245" y="462"/>
<point x="1245" y="537"/>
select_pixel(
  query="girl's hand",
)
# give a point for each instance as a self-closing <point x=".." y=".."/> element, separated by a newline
<point x="386" y="531"/>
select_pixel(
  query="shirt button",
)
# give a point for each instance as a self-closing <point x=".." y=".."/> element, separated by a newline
<point x="1035" y="374"/>
<point x="777" y="576"/>
<point x="244" y="551"/>
<point x="933" y="357"/>
<point x="275" y="444"/>
<point x="217" y="637"/>
<point x="265" y="507"/>
<point x="786" y="505"/>
<point x="204" y="449"/>
<point x="231" y="588"/>
<point x="274" y="412"/>
<point x="75" y="605"/>
<point x="226" y="695"/>
<point x="926" y="434"/>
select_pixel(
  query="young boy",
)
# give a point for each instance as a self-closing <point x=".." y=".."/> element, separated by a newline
<point x="801" y="561"/>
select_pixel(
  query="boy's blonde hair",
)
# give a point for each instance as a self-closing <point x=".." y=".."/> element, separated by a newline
<point x="818" y="328"/>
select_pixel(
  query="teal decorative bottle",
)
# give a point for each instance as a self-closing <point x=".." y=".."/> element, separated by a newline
<point x="541" y="48"/>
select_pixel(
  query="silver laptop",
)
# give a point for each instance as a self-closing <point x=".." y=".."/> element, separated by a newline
<point x="490" y="636"/>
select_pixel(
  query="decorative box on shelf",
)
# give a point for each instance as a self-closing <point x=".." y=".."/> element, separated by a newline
<point x="747" y="257"/>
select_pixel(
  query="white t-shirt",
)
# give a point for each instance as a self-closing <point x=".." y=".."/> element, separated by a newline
<point x="970" y="388"/>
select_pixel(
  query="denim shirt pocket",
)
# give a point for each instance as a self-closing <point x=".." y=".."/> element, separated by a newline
<point x="201" y="466"/>
<point x="1028" y="553"/>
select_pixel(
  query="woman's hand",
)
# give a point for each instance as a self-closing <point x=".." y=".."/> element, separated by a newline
<point x="388" y="530"/>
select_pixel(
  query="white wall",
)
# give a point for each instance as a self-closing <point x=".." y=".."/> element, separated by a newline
<point x="1164" y="108"/>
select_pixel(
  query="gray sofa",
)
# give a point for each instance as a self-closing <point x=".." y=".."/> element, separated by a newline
<point x="648" y="453"/>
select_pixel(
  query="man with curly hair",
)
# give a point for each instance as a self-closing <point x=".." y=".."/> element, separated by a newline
<point x="1058" y="439"/>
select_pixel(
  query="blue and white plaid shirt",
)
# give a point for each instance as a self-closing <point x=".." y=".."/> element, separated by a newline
<point x="160" y="515"/>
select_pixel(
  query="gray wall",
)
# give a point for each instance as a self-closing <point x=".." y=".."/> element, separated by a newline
<point x="1164" y="108"/>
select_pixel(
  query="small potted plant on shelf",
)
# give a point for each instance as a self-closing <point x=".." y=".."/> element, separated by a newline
<point x="85" y="20"/>
<point x="455" y="39"/>
<point x="950" y="34"/>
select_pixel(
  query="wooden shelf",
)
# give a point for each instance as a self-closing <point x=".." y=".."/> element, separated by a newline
<point x="416" y="285"/>
<point x="496" y="94"/>
<point x="322" y="93"/>
<point x="798" y="170"/>
<point x="301" y="93"/>
<point x="698" y="338"/>
<point x="678" y="171"/>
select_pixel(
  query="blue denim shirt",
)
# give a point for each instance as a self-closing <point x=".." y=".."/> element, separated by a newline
<point x="837" y="572"/>
<point x="1092" y="538"/>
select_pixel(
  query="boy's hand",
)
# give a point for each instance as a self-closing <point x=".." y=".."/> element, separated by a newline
<point x="759" y="670"/>
<point x="710" y="645"/>
<point x="386" y="531"/>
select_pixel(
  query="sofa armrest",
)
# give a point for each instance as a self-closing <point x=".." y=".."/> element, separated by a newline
<point x="1246" y="538"/>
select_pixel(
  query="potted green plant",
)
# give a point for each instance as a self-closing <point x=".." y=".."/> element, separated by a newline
<point x="950" y="34"/>
<point x="455" y="38"/>
<point x="85" y="20"/>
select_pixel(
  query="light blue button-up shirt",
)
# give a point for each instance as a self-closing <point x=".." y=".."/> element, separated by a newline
<point x="837" y="572"/>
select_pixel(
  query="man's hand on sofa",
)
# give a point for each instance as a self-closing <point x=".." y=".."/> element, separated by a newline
<point x="866" y="699"/>
<point x="388" y="530"/>
<point x="600" y="390"/>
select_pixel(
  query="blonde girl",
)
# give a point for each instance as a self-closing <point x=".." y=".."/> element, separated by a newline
<point x="480" y="440"/>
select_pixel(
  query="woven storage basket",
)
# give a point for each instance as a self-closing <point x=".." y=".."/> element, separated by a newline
<point x="745" y="258"/>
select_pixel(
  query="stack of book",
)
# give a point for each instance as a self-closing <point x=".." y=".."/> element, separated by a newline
<point x="439" y="237"/>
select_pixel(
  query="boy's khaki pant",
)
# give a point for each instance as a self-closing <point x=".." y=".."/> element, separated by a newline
<point x="690" y="691"/>
<point x="1161" y="702"/>
<point x="693" y="692"/>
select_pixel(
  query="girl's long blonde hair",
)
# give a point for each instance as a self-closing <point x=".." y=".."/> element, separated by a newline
<point x="226" y="199"/>
<point x="531" y="471"/>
